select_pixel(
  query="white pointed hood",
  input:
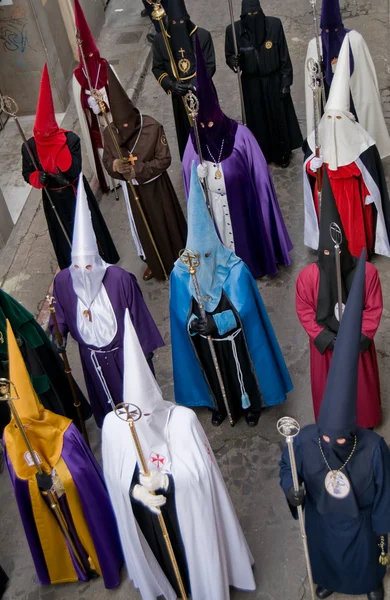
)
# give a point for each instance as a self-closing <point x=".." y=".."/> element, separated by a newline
<point x="140" y="388"/>
<point x="342" y="139"/>
<point x="86" y="282"/>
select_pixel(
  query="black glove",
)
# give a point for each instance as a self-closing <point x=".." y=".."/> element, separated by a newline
<point x="61" y="178"/>
<point x="44" y="481"/>
<point x="44" y="177"/>
<point x="179" y="88"/>
<point x="61" y="348"/>
<point x="235" y="62"/>
<point x="295" y="498"/>
<point x="205" y="326"/>
<point x="332" y="343"/>
<point x="285" y="91"/>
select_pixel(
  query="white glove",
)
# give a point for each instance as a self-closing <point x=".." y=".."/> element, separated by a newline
<point x="93" y="105"/>
<point x="154" y="481"/>
<point x="316" y="163"/>
<point x="151" y="502"/>
<point x="202" y="169"/>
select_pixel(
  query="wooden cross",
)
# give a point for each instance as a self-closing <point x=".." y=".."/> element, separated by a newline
<point x="182" y="52"/>
<point x="132" y="160"/>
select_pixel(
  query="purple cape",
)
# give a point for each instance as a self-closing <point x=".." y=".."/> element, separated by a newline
<point x="260" y="235"/>
<point x="96" y="505"/>
<point x="123" y="290"/>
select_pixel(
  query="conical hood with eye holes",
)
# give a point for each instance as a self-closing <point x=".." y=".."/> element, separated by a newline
<point x="97" y="66"/>
<point x="140" y="388"/>
<point x="216" y="261"/>
<point x="123" y="111"/>
<point x="337" y="418"/>
<point x="85" y="252"/>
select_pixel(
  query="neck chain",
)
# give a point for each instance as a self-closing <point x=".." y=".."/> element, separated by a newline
<point x="97" y="77"/>
<point x="346" y="462"/>
<point x="218" y="174"/>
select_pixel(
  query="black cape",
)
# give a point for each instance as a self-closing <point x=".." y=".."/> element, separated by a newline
<point x="227" y="364"/>
<point x="343" y="534"/>
<point x="64" y="201"/>
<point x="265" y="72"/>
<point x="162" y="71"/>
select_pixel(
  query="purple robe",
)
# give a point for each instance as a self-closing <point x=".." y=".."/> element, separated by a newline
<point x="88" y="479"/>
<point x="123" y="291"/>
<point x="260" y="235"/>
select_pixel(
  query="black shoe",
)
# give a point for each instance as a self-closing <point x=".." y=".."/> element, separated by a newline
<point x="144" y="13"/>
<point x="285" y="163"/>
<point x="150" y="37"/>
<point x="378" y="594"/>
<point x="218" y="418"/>
<point x="252" y="417"/>
<point x="322" y="592"/>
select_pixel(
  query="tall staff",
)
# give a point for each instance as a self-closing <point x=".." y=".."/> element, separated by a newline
<point x="86" y="72"/>
<point x="132" y="413"/>
<point x="289" y="428"/>
<point x="243" y="113"/>
<point x="68" y="370"/>
<point x="319" y="52"/>
<point x="192" y="104"/>
<point x="131" y="159"/>
<point x="50" y="487"/>
<point x="159" y="15"/>
<point x="314" y="68"/>
<point x="337" y="237"/>
<point x="192" y="260"/>
<point x="9" y="106"/>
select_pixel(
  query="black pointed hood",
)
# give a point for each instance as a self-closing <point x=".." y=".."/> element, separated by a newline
<point x="337" y="418"/>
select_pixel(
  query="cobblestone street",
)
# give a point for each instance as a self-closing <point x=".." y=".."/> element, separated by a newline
<point x="247" y="457"/>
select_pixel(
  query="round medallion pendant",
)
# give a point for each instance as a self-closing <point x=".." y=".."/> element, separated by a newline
<point x="337" y="484"/>
<point x="218" y="174"/>
<point x="268" y="45"/>
<point x="184" y="65"/>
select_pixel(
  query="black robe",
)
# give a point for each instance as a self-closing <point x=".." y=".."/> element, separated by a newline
<point x="3" y="581"/>
<point x="265" y="72"/>
<point x="162" y="71"/>
<point x="64" y="200"/>
<point x="150" y="527"/>
<point x="227" y="364"/>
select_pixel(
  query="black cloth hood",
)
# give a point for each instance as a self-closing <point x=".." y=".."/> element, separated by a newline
<point x="255" y="25"/>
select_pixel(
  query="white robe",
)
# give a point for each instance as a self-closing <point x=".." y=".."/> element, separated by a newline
<point x="364" y="90"/>
<point x="312" y="232"/>
<point x="216" y="550"/>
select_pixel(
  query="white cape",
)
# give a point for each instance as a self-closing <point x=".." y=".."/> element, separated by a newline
<point x="216" y="550"/>
<point x="312" y="232"/>
<point x="364" y="90"/>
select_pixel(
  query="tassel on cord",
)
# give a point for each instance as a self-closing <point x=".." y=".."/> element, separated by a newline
<point x="384" y="558"/>
<point x="245" y="402"/>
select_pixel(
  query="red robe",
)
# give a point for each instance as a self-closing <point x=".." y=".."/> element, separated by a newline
<point x="368" y="402"/>
<point x="350" y="193"/>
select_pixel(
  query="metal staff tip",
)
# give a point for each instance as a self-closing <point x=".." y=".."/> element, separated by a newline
<point x="5" y="390"/>
<point x="288" y="427"/>
<point x="335" y="234"/>
<point x="190" y="259"/>
<point x="128" y="412"/>
<point x="8" y="105"/>
<point x="192" y="104"/>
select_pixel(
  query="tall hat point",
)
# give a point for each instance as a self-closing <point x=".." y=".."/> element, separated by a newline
<point x="330" y="14"/>
<point x="339" y="95"/>
<point x="84" y="238"/>
<point x="45" y="120"/>
<point x="86" y="36"/>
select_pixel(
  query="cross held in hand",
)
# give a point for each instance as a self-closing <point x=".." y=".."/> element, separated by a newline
<point x="132" y="159"/>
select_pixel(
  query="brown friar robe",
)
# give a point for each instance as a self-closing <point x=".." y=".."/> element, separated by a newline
<point x="157" y="196"/>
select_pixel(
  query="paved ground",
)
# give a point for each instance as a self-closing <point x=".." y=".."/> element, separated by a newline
<point x="248" y="458"/>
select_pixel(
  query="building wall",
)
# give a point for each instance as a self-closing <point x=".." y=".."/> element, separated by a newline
<point x="33" y="32"/>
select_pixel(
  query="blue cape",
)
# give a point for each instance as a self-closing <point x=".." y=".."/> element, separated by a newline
<point x="191" y="387"/>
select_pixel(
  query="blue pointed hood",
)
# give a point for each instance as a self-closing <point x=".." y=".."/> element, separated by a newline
<point x="216" y="261"/>
<point x="337" y="418"/>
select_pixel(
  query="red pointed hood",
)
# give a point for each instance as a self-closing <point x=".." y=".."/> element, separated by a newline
<point x="96" y="66"/>
<point x="50" y="140"/>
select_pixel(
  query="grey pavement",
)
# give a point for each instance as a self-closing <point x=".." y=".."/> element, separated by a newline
<point x="247" y="457"/>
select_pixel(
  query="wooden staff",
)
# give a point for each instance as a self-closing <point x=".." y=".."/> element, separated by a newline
<point x="68" y="370"/>
<point x="132" y="413"/>
<point x="131" y="159"/>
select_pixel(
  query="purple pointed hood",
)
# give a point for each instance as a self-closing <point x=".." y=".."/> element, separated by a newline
<point x="331" y="14"/>
<point x="333" y="33"/>
<point x="218" y="139"/>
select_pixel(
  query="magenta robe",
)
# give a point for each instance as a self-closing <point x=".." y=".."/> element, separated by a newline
<point x="369" y="411"/>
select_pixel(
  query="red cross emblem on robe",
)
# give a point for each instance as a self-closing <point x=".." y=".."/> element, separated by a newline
<point x="157" y="460"/>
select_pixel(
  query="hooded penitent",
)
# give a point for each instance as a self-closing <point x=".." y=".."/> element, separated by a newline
<point x="50" y="140"/>
<point x="327" y="293"/>
<point x="82" y="499"/>
<point x="343" y="140"/>
<point x="96" y="66"/>
<point x="333" y="33"/>
<point x="253" y="20"/>
<point x="216" y="141"/>
<point x="87" y="268"/>
<point x="180" y="37"/>
<point x="123" y="112"/>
